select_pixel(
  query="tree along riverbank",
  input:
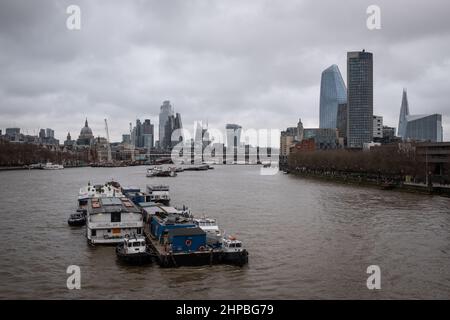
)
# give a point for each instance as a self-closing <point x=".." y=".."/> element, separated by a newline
<point x="392" y="168"/>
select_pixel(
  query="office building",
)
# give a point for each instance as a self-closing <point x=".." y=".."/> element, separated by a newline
<point x="166" y="111"/>
<point x="360" y="98"/>
<point x="427" y="127"/>
<point x="342" y="121"/>
<point x="332" y="93"/>
<point x="233" y="132"/>
<point x="377" y="127"/>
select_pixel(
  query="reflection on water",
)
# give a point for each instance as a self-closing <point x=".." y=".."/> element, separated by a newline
<point x="306" y="239"/>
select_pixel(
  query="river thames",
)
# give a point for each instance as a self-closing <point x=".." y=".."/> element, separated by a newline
<point x="307" y="239"/>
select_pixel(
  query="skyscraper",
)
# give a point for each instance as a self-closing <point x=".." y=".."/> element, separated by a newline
<point x="404" y="112"/>
<point x="427" y="127"/>
<point x="148" y="134"/>
<point x="360" y="98"/>
<point x="143" y="134"/>
<point x="49" y="133"/>
<point x="233" y="135"/>
<point x="341" y="124"/>
<point x="138" y="134"/>
<point x="165" y="112"/>
<point x="332" y="93"/>
<point x="173" y="123"/>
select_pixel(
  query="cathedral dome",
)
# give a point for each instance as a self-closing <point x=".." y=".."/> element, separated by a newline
<point x="86" y="132"/>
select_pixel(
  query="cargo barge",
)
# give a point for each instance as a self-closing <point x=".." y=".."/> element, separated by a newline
<point x="175" y="240"/>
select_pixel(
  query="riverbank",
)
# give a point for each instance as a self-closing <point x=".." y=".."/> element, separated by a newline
<point x="361" y="180"/>
<point x="29" y="168"/>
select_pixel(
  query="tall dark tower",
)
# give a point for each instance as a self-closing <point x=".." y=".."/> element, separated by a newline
<point x="404" y="113"/>
<point x="360" y="98"/>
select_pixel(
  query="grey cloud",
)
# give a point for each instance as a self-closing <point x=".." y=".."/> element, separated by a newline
<point x="257" y="63"/>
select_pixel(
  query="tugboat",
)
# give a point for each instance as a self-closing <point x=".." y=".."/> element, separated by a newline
<point x="134" y="251"/>
<point x="77" y="219"/>
<point x="233" y="251"/>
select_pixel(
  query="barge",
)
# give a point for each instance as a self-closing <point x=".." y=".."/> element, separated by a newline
<point x="154" y="194"/>
<point x="177" y="241"/>
<point x="110" y="219"/>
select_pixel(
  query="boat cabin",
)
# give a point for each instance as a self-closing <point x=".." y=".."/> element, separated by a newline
<point x="186" y="239"/>
<point x="134" y="245"/>
<point x="167" y="218"/>
<point x="110" y="219"/>
<point x="231" y="244"/>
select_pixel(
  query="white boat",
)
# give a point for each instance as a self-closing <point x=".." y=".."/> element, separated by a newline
<point x="233" y="250"/>
<point x="110" y="219"/>
<point x="231" y="245"/>
<point x="134" y="250"/>
<point x="209" y="225"/>
<point x="109" y="189"/>
<point x="161" y="172"/>
<point x="51" y="166"/>
<point x="158" y="193"/>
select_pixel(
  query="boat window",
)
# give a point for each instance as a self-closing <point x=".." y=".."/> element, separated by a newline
<point x="136" y="244"/>
<point x="129" y="244"/>
<point x="94" y="233"/>
<point x="115" y="216"/>
<point x="238" y="245"/>
<point x="143" y="243"/>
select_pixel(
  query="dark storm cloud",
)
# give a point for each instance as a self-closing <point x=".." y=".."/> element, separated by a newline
<point x="257" y="63"/>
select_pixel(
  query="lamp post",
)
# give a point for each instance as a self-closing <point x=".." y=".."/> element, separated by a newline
<point x="426" y="166"/>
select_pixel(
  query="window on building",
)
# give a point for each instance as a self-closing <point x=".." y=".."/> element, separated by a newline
<point x="115" y="217"/>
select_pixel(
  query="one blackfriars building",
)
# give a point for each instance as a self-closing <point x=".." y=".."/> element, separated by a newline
<point x="332" y="94"/>
<point x="360" y="98"/>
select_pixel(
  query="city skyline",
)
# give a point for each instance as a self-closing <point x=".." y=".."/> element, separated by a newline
<point x="209" y="72"/>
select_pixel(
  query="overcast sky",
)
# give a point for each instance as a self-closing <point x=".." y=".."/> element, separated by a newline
<point x="255" y="63"/>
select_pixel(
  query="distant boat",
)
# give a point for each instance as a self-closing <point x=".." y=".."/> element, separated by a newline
<point x="51" y="166"/>
<point x="161" y="172"/>
<point x="197" y="168"/>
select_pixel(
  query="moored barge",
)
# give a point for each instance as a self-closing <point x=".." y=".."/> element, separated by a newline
<point x="110" y="219"/>
<point x="177" y="241"/>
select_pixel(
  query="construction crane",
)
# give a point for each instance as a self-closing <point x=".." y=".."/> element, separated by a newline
<point x="132" y="142"/>
<point x="107" y="142"/>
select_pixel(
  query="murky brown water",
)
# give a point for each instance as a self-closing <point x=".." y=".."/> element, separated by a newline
<point x="307" y="239"/>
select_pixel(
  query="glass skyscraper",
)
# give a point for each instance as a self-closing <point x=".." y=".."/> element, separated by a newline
<point x="166" y="111"/>
<point x="332" y="93"/>
<point x="360" y="98"/>
<point x="419" y="127"/>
